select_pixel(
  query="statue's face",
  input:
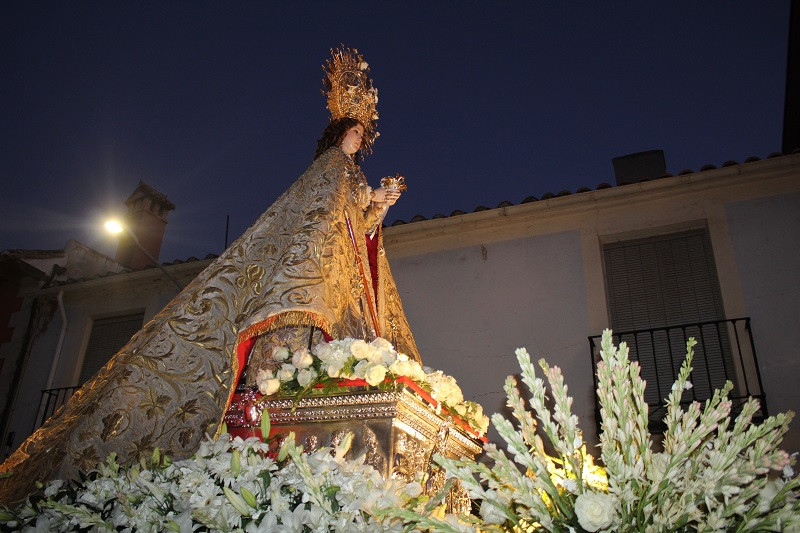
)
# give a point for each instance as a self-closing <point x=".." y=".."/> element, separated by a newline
<point x="351" y="141"/>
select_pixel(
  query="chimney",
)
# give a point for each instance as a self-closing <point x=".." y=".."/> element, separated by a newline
<point x="147" y="219"/>
<point x="642" y="165"/>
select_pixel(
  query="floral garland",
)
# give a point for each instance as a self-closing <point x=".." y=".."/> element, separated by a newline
<point x="328" y="365"/>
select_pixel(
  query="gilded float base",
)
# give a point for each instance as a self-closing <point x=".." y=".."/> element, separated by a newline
<point x="397" y="431"/>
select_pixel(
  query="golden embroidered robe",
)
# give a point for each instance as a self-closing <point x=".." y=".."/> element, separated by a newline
<point x="303" y="262"/>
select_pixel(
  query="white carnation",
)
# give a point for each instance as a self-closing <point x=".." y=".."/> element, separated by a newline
<point x="401" y="368"/>
<point x="264" y="374"/>
<point x="382" y="356"/>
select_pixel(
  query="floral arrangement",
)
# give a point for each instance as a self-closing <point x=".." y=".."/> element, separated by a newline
<point x="328" y="365"/>
<point x="230" y="484"/>
<point x="714" y="474"/>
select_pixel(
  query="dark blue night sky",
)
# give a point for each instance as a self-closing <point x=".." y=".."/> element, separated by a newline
<point x="218" y="105"/>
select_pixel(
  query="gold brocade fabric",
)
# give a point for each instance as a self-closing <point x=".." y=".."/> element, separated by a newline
<point x="302" y="263"/>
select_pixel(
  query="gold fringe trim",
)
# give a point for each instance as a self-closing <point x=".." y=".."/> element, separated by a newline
<point x="286" y="318"/>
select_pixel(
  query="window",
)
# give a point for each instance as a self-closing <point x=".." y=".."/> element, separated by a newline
<point x="662" y="290"/>
<point x="108" y="336"/>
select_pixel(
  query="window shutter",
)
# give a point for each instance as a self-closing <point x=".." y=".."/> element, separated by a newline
<point x="108" y="336"/>
<point x="660" y="289"/>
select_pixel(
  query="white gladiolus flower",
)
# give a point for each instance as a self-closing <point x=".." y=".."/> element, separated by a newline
<point x="491" y="513"/>
<point x="595" y="511"/>
<point x="302" y="359"/>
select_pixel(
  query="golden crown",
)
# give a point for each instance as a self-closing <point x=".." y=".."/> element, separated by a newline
<point x="350" y="92"/>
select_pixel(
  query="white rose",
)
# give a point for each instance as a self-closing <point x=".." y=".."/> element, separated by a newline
<point x="401" y="368"/>
<point x="280" y="353"/>
<point x="302" y="359"/>
<point x="595" y="511"/>
<point x="334" y="368"/>
<point x="374" y="373"/>
<point x="382" y="343"/>
<point x="360" y="349"/>
<point x="306" y="376"/>
<point x="286" y="373"/>
<point x="264" y="374"/>
<point x="382" y="356"/>
<point x="323" y="350"/>
<point x="360" y="368"/>
<point x="269" y="386"/>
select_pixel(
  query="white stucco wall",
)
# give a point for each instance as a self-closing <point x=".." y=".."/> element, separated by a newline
<point x="542" y="285"/>
<point x="766" y="239"/>
<point x="471" y="307"/>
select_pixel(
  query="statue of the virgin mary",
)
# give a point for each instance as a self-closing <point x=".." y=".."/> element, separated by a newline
<point x="312" y="267"/>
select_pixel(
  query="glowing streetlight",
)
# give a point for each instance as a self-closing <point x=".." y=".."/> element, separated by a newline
<point x="113" y="226"/>
<point x="116" y="227"/>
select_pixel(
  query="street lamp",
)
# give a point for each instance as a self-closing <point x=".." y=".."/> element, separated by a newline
<point x="116" y="227"/>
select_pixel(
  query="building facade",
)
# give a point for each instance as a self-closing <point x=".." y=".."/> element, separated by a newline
<point x="712" y="254"/>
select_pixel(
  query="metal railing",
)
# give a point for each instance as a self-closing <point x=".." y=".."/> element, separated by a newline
<point x="725" y="351"/>
<point x="50" y="401"/>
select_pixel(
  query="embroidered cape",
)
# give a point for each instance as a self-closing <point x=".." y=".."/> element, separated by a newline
<point x="303" y="262"/>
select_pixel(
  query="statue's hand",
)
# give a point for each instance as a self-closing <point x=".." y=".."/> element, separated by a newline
<point x="384" y="195"/>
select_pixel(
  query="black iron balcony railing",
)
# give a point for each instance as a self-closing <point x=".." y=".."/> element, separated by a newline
<point x="50" y="401"/>
<point x="725" y="351"/>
